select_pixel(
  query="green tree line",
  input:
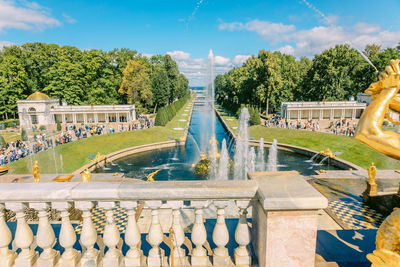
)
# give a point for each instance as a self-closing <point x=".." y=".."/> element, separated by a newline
<point x="91" y="76"/>
<point x="266" y="80"/>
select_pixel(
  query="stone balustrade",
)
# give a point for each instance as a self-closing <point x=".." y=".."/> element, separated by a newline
<point x="272" y="213"/>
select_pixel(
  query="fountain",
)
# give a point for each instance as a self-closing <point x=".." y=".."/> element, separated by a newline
<point x="223" y="168"/>
<point x="251" y="160"/>
<point x="242" y="146"/>
<point x="260" y="162"/>
<point x="272" y="165"/>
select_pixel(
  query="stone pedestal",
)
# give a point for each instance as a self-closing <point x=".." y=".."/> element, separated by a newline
<point x="26" y="260"/>
<point x="7" y="258"/>
<point x="200" y="261"/>
<point x="137" y="260"/>
<point x="285" y="219"/>
<point x="50" y="261"/>
<point x="242" y="259"/>
<point x="157" y="259"/>
<point x="70" y="260"/>
<point x="90" y="258"/>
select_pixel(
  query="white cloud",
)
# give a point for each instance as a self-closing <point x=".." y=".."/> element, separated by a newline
<point x="179" y="55"/>
<point x="268" y="30"/>
<point x="25" y="16"/>
<point x="69" y="19"/>
<point x="287" y="49"/>
<point x="195" y="69"/>
<point x="221" y="61"/>
<point x="240" y="59"/>
<point x="308" y="42"/>
<point x="5" y="43"/>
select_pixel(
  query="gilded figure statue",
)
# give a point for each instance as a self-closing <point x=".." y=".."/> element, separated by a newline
<point x="35" y="171"/>
<point x="384" y="98"/>
<point x="387" y="252"/>
<point x="371" y="174"/>
<point x="86" y="176"/>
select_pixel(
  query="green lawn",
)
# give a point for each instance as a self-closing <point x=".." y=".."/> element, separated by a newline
<point x="76" y="154"/>
<point x="11" y="136"/>
<point x="352" y="150"/>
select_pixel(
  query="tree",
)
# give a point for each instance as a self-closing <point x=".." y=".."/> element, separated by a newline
<point x="160" y="86"/>
<point x="13" y="84"/>
<point x="398" y="46"/>
<point x="136" y="82"/>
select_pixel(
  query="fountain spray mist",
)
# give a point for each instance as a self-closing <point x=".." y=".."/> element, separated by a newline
<point x="272" y="165"/>
<point x="242" y="146"/>
<point x="223" y="168"/>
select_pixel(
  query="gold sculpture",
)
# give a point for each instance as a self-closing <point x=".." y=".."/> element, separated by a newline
<point x="86" y="176"/>
<point x="387" y="252"/>
<point x="371" y="174"/>
<point x="327" y="153"/>
<point x="99" y="157"/>
<point x="35" y="171"/>
<point x="151" y="175"/>
<point x="384" y="98"/>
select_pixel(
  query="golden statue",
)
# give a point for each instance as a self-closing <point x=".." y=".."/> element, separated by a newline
<point x="384" y="98"/>
<point x="86" y="175"/>
<point x="35" y="171"/>
<point x="151" y="175"/>
<point x="214" y="140"/>
<point x="387" y="252"/>
<point x="371" y="174"/>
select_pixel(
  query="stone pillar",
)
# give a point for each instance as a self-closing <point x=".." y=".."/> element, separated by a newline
<point x="85" y="118"/>
<point x="117" y="117"/>
<point x="332" y="114"/>
<point x="74" y="118"/>
<point x="299" y="114"/>
<point x="63" y="118"/>
<point x="321" y="114"/>
<point x="353" y="114"/>
<point x="107" y="120"/>
<point x="310" y="114"/>
<point x="96" y="118"/>
<point x="285" y="225"/>
<point x="343" y="113"/>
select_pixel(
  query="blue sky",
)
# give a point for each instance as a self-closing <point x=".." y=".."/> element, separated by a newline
<point x="187" y="29"/>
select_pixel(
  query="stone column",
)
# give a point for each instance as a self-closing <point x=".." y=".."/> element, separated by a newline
<point x="85" y="118"/>
<point x="353" y="114"/>
<point x="63" y="118"/>
<point x="117" y="117"/>
<point x="74" y="118"/>
<point x="285" y="219"/>
<point x="343" y="113"/>
<point x="310" y="114"/>
<point x="332" y="114"/>
<point x="96" y="118"/>
<point x="299" y="114"/>
<point x="321" y="114"/>
<point x="107" y="120"/>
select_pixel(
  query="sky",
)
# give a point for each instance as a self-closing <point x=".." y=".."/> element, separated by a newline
<point x="188" y="29"/>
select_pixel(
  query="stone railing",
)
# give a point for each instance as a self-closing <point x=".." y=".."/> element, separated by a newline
<point x="287" y="238"/>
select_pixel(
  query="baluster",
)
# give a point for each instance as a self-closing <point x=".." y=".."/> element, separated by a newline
<point x="242" y="236"/>
<point x="155" y="237"/>
<point x="45" y="237"/>
<point x="111" y="237"/>
<point x="199" y="236"/>
<point x="67" y="237"/>
<point x="91" y="256"/>
<point x="7" y="257"/>
<point x="23" y="236"/>
<point x="221" y="236"/>
<point x="178" y="258"/>
<point x="134" y="257"/>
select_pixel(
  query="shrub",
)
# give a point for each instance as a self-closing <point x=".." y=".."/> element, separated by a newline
<point x="58" y="126"/>
<point x="255" y="117"/>
<point x="167" y="113"/>
<point x="42" y="128"/>
<point x="2" y="141"/>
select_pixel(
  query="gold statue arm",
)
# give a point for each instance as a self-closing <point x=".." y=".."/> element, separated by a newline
<point x="390" y="119"/>
<point x="369" y="129"/>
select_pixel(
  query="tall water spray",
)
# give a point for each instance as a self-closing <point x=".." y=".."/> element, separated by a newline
<point x="272" y="165"/>
<point x="242" y="146"/>
<point x="223" y="168"/>
<point x="251" y="160"/>
<point x="260" y="162"/>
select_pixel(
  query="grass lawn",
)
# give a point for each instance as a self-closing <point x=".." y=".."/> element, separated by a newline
<point x="75" y="155"/>
<point x="352" y="150"/>
<point x="11" y="136"/>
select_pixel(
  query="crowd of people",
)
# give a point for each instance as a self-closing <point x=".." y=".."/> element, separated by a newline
<point x="13" y="151"/>
<point x="341" y="126"/>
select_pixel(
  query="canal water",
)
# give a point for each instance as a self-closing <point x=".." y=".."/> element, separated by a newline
<point x="176" y="163"/>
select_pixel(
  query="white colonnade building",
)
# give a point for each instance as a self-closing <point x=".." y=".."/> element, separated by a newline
<point x="328" y="110"/>
<point x="39" y="109"/>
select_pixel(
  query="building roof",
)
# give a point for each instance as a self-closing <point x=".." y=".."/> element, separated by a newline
<point x="38" y="96"/>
